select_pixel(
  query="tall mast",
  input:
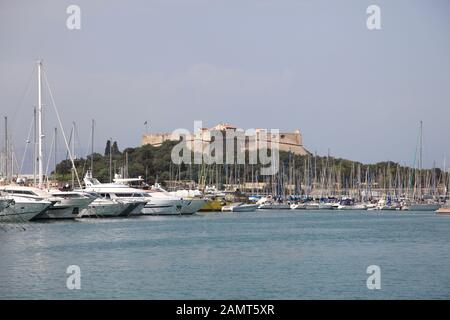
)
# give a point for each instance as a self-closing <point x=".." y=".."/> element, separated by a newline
<point x="34" y="148"/>
<point x="6" y="148"/>
<point x="420" y="158"/>
<point x="73" y="152"/>
<point x="421" y="145"/>
<point x="56" y="144"/>
<point x="126" y="165"/>
<point x="40" y="135"/>
<point x="12" y="165"/>
<point x="110" y="160"/>
<point x="92" y="148"/>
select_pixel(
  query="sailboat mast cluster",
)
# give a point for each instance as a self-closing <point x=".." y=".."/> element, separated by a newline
<point x="303" y="181"/>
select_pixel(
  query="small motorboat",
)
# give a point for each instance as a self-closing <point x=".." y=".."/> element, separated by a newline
<point x="240" y="207"/>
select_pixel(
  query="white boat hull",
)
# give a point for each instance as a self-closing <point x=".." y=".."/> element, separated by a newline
<point x="355" y="207"/>
<point x="192" y="206"/>
<point x="424" y="207"/>
<point x="137" y="208"/>
<point x="57" y="213"/>
<point x="299" y="206"/>
<point x="14" y="217"/>
<point x="274" y="207"/>
<point x="65" y="209"/>
<point x="129" y="207"/>
<point x="389" y="208"/>
<point x="100" y="209"/>
<point x="22" y="211"/>
<point x="162" y="207"/>
<point x="245" y="208"/>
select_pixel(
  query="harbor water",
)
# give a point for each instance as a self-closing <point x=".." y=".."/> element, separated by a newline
<point x="262" y="255"/>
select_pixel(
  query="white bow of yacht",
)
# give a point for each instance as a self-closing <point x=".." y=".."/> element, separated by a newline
<point x="102" y="207"/>
<point x="17" y="209"/>
<point x="66" y="204"/>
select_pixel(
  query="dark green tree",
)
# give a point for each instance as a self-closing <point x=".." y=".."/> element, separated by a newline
<point x="108" y="148"/>
<point x="115" y="149"/>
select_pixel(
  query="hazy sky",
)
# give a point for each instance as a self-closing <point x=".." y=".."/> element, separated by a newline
<point x="283" y="64"/>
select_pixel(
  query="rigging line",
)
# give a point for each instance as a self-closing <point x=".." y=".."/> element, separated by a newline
<point x="14" y="158"/>
<point x="22" y="99"/>
<point x="17" y="164"/>
<point x="62" y="129"/>
<point x="49" y="157"/>
<point x="87" y="152"/>
<point x="79" y="146"/>
<point x="90" y="141"/>
<point x="70" y="141"/>
<point x="78" y="138"/>
<point x="415" y="159"/>
<point x="26" y="145"/>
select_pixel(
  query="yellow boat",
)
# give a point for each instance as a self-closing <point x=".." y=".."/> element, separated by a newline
<point x="212" y="205"/>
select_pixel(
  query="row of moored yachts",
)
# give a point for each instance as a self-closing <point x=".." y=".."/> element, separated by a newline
<point x="24" y="203"/>
<point x="349" y="204"/>
<point x="20" y="203"/>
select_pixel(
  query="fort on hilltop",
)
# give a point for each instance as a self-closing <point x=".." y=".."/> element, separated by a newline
<point x="288" y="141"/>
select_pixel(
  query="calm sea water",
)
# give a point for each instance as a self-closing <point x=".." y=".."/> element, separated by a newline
<point x="262" y="255"/>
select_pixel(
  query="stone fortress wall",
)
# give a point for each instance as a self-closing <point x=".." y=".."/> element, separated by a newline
<point x="288" y="141"/>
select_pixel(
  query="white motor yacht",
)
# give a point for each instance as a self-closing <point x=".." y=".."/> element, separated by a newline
<point x="298" y="206"/>
<point x="352" y="207"/>
<point x="66" y="205"/>
<point x="159" y="201"/>
<point x="163" y="203"/>
<point x="74" y="201"/>
<point x="268" y="203"/>
<point x="240" y="207"/>
<point x="133" y="199"/>
<point x="17" y="209"/>
<point x="193" y="200"/>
